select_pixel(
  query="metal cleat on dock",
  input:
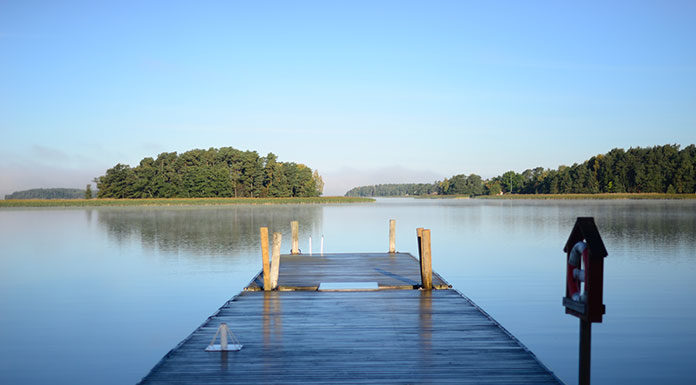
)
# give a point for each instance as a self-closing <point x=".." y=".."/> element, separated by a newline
<point x="224" y="333"/>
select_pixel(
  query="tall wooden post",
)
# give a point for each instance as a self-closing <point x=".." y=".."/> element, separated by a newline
<point x="392" y="236"/>
<point x="264" y="259"/>
<point x="275" y="259"/>
<point x="295" y="226"/>
<point x="585" y="349"/>
<point x="426" y="265"/>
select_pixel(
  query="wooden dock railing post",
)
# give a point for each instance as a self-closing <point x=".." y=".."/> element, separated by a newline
<point x="295" y="226"/>
<point x="275" y="259"/>
<point x="392" y="236"/>
<point x="264" y="259"/>
<point x="426" y="265"/>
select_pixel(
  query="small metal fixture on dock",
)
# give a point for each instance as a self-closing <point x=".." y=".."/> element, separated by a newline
<point x="224" y="332"/>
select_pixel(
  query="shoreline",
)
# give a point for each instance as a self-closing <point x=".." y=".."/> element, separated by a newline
<point x="96" y="202"/>
<point x="598" y="196"/>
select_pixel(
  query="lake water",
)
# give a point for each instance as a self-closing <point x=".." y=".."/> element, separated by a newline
<point x="100" y="295"/>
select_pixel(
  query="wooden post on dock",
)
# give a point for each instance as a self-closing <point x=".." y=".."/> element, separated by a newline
<point x="295" y="226"/>
<point x="264" y="259"/>
<point x="275" y="259"/>
<point x="425" y="261"/>
<point x="392" y="236"/>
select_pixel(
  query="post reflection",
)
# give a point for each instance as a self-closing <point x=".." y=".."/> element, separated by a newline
<point x="272" y="320"/>
<point x="425" y="307"/>
<point x="223" y="360"/>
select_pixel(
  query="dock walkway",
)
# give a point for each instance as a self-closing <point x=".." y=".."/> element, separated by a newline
<point x="390" y="335"/>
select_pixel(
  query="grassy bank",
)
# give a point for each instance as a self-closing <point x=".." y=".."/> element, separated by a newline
<point x="174" y="201"/>
<point x="590" y="196"/>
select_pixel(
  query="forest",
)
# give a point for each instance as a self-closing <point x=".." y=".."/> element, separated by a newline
<point x="48" y="193"/>
<point x="658" y="169"/>
<point x="223" y="172"/>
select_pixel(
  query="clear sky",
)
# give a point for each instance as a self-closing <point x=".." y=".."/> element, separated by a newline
<point x="365" y="92"/>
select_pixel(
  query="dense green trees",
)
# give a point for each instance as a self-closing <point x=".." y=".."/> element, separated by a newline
<point x="224" y="172"/>
<point x="656" y="169"/>
<point x="394" y="189"/>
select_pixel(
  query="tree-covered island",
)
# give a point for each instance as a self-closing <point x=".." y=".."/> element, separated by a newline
<point x="223" y="172"/>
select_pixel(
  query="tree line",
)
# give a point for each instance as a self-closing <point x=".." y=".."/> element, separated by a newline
<point x="658" y="169"/>
<point x="223" y="172"/>
<point x="48" y="193"/>
<point x="392" y="189"/>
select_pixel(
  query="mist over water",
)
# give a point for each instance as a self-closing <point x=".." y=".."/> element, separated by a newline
<point x="100" y="295"/>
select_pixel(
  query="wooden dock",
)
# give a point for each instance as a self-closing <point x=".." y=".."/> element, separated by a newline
<point x="393" y="333"/>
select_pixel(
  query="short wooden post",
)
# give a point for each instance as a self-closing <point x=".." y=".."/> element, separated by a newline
<point x="295" y="226"/>
<point x="264" y="259"/>
<point x="426" y="266"/>
<point x="392" y="236"/>
<point x="275" y="259"/>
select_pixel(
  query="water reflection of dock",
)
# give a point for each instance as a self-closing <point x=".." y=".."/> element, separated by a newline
<point x="396" y="333"/>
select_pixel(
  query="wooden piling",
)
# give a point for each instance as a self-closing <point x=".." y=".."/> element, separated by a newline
<point x="264" y="259"/>
<point x="275" y="259"/>
<point x="392" y="236"/>
<point x="295" y="226"/>
<point x="426" y="265"/>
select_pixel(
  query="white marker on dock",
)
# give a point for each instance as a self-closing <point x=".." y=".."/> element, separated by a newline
<point x="224" y="333"/>
<point x="310" y="245"/>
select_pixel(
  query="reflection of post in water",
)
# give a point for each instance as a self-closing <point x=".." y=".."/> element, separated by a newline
<point x="272" y="319"/>
<point x="425" y="307"/>
<point x="223" y="360"/>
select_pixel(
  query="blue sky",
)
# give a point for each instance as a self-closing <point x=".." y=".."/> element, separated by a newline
<point x="365" y="92"/>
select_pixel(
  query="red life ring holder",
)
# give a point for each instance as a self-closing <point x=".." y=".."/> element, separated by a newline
<point x="575" y="274"/>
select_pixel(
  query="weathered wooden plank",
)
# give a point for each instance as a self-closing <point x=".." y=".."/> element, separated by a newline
<point x="374" y="337"/>
<point x="389" y="270"/>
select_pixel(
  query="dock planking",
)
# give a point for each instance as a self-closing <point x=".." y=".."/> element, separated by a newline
<point x="387" y="336"/>
<point x="389" y="270"/>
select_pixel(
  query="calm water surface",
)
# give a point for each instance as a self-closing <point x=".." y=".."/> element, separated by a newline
<point x="100" y="295"/>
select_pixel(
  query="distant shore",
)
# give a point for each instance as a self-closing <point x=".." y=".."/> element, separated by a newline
<point x="591" y="196"/>
<point x="560" y="196"/>
<point x="175" y="201"/>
